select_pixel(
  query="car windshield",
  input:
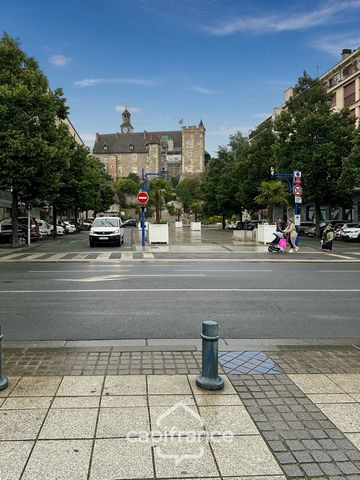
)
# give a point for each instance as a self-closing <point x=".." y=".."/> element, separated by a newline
<point x="108" y="222"/>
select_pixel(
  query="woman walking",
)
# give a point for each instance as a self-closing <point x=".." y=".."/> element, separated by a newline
<point x="328" y="237"/>
<point x="291" y="232"/>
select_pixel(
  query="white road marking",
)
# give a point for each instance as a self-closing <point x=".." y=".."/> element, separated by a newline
<point x="337" y="271"/>
<point x="56" y="257"/>
<point x="103" y="256"/>
<point x="34" y="256"/>
<point x="117" y="268"/>
<point x="80" y="256"/>
<point x="13" y="255"/>
<point x="189" y="290"/>
<point x="120" y="277"/>
<point x="127" y="256"/>
<point x="339" y="256"/>
<point x="148" y="255"/>
<point x="219" y="270"/>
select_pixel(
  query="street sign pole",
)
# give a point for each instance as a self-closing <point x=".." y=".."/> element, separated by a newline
<point x="142" y="226"/>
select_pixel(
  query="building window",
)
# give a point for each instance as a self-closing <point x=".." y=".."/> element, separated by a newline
<point x="349" y="94"/>
<point x="333" y="100"/>
<point x="134" y="156"/>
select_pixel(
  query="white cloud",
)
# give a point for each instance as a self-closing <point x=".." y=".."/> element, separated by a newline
<point x="330" y="13"/>
<point x="59" y="60"/>
<point x="204" y="91"/>
<point x="91" y="82"/>
<point x="334" y="44"/>
<point x="121" y="108"/>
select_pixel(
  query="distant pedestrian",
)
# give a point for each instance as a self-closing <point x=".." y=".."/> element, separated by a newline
<point x="291" y="232"/>
<point x="327" y="237"/>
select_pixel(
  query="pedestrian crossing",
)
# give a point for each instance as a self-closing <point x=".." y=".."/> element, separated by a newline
<point x="75" y="257"/>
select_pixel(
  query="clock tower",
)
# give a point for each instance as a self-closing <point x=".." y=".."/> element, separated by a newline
<point x="126" y="126"/>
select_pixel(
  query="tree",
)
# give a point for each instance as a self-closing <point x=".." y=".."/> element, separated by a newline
<point x="125" y="187"/>
<point x="222" y="181"/>
<point x="158" y="187"/>
<point x="29" y="111"/>
<point x="314" y="139"/>
<point x="271" y="193"/>
<point x="188" y="191"/>
<point x="255" y="166"/>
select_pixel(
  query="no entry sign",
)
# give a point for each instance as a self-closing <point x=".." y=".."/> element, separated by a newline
<point x="142" y="198"/>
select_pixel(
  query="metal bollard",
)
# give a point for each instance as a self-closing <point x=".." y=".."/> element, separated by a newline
<point x="209" y="378"/>
<point x="3" y="380"/>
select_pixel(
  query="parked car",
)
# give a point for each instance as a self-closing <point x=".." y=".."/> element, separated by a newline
<point x="310" y="231"/>
<point x="130" y="223"/>
<point x="339" y="229"/>
<point x="6" y="235"/>
<point x="60" y="230"/>
<point x="351" y="233"/>
<point x="69" y="227"/>
<point x="22" y="222"/>
<point x="86" y="224"/>
<point x="304" y="226"/>
<point x="106" y="230"/>
<point x="44" y="228"/>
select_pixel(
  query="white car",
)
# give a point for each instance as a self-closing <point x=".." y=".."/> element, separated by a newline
<point x="69" y="227"/>
<point x="351" y="233"/>
<point x="59" y="229"/>
<point x="106" y="230"/>
<point x="44" y="227"/>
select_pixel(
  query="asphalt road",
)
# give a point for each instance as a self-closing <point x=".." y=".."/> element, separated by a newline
<point x="88" y="301"/>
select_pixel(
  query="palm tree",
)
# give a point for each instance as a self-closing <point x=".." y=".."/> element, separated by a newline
<point x="271" y="193"/>
<point x="159" y="187"/>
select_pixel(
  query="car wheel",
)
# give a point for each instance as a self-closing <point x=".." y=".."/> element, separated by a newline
<point x="22" y="241"/>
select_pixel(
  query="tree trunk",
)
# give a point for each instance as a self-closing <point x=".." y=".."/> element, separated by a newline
<point x="54" y="221"/>
<point x="76" y="220"/>
<point x="14" y="218"/>
<point x="157" y="207"/>
<point x="223" y="221"/>
<point x="317" y="219"/>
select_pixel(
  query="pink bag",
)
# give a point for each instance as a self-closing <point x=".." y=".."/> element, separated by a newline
<point x="282" y="243"/>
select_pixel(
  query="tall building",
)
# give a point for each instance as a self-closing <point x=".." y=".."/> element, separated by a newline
<point x="175" y="153"/>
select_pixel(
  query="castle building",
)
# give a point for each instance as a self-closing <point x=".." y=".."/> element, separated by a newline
<point x="179" y="154"/>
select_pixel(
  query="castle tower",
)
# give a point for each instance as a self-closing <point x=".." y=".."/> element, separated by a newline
<point x="193" y="150"/>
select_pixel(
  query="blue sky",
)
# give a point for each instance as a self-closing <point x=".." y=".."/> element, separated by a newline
<point x="226" y="62"/>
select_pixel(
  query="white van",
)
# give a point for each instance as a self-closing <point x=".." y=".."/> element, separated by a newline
<point x="105" y="230"/>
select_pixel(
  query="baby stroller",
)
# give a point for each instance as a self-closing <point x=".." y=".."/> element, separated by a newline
<point x="276" y="244"/>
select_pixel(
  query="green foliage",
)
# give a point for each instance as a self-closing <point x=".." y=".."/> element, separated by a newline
<point x="126" y="187"/>
<point x="271" y="193"/>
<point x="28" y="125"/>
<point x="189" y="191"/>
<point x="314" y="139"/>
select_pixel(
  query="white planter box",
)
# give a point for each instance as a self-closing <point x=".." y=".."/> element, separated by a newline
<point x="266" y="233"/>
<point x="195" y="226"/>
<point x="158" y="233"/>
<point x="178" y="224"/>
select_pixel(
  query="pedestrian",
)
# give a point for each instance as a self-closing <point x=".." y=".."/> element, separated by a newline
<point x="327" y="237"/>
<point x="291" y="232"/>
<point x="280" y="225"/>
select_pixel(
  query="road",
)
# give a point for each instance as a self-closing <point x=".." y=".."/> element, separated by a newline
<point x="169" y="298"/>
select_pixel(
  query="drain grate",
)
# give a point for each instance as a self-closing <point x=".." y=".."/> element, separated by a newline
<point x="248" y="362"/>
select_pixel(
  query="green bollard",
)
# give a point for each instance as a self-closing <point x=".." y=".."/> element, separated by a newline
<point x="4" y="382"/>
<point x="209" y="378"/>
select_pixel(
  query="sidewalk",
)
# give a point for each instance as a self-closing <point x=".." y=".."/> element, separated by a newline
<point x="286" y="412"/>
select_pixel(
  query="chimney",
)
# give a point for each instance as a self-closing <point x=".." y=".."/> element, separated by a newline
<point x="345" y="53"/>
<point x="97" y="135"/>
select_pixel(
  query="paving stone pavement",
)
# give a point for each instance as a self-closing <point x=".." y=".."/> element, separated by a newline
<point x="300" y="424"/>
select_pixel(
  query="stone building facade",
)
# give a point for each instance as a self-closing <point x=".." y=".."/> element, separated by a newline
<point x="178" y="154"/>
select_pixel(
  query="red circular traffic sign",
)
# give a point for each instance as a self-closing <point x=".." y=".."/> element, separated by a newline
<point x="142" y="198"/>
<point x="298" y="190"/>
